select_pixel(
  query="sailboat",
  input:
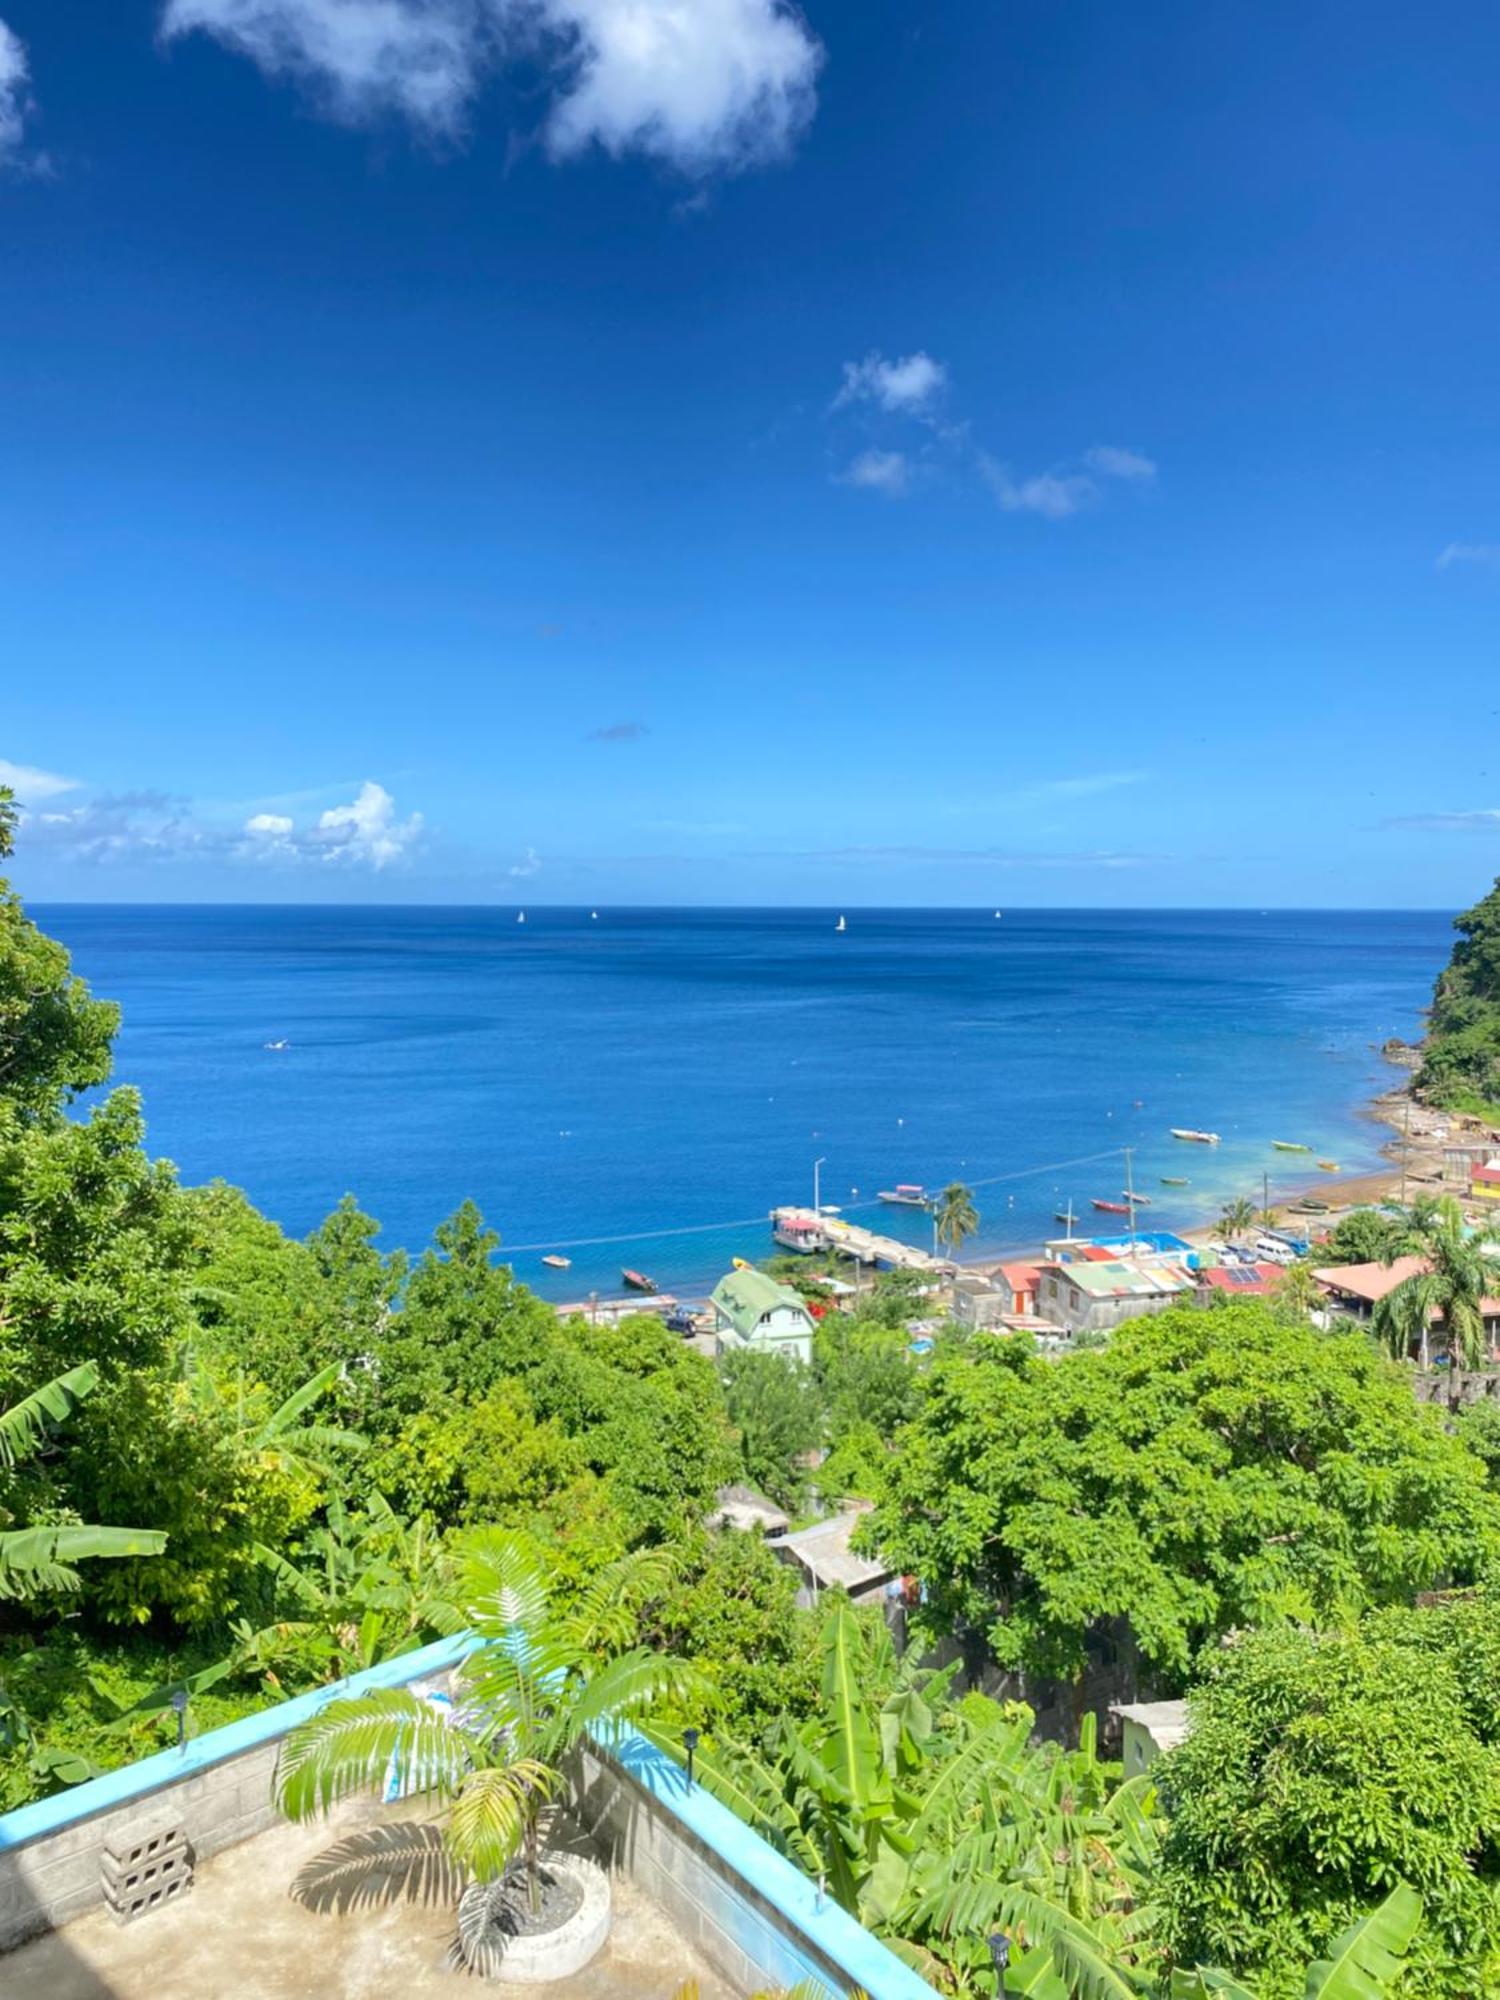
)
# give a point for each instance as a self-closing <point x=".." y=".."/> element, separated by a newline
<point x="841" y="925"/>
<point x="520" y="916"/>
<point x="997" y="916"/>
<point x="593" y="916"/>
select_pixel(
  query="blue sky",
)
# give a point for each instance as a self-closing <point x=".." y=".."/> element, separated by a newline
<point x="688" y="451"/>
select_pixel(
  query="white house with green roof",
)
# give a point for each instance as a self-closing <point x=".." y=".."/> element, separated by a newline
<point x="752" y="1310"/>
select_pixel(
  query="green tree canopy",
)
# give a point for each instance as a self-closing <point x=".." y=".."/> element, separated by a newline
<point x="1461" y="1056"/>
<point x="55" y="1038"/>
<point x="1205" y="1471"/>
<point x="1322" y="1768"/>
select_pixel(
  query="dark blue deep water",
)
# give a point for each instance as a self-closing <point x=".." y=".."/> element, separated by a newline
<point x="679" y="1070"/>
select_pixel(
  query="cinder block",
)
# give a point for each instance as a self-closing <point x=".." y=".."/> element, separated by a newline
<point x="122" y="1873"/>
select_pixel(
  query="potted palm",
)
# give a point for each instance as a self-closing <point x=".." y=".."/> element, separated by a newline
<point x="492" y="1762"/>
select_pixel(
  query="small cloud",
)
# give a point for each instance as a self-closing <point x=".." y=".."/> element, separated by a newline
<point x="1112" y="463"/>
<point x="268" y="837"/>
<point x="1054" y="495"/>
<point x="1485" y="820"/>
<point x="529" y="864"/>
<point x="618" y="732"/>
<point x="1477" y="555"/>
<point x="907" y="386"/>
<point x="1087" y="786"/>
<point x="15" y="96"/>
<point x="364" y="833"/>
<point x="31" y="785"/>
<point x="885" y="472"/>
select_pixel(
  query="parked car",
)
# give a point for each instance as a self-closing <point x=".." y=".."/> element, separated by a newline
<point x="682" y="1321"/>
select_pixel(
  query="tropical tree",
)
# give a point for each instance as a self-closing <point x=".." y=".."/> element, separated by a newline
<point x="1462" y="1272"/>
<point x="41" y="1558"/>
<point x="1297" y="1795"/>
<point x="1238" y="1217"/>
<point x="1367" y="1961"/>
<point x="955" y="1217"/>
<point x="543" y="1680"/>
<point x="1291" y="1473"/>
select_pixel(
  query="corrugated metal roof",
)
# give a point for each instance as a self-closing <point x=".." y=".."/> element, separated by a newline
<point x="1105" y="1281"/>
<point x="823" y="1551"/>
<point x="745" y="1297"/>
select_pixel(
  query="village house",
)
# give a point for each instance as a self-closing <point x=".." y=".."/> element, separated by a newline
<point x="823" y="1558"/>
<point x="1095" y="1296"/>
<point x="752" y="1310"/>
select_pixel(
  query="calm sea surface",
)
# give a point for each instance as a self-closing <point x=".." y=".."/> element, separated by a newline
<point x="661" y="1071"/>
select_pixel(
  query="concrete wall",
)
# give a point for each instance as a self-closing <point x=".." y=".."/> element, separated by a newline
<point x="217" y="1788"/>
<point x="757" y="1919"/>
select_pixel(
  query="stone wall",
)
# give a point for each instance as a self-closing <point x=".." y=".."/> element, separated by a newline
<point x="1441" y="1386"/>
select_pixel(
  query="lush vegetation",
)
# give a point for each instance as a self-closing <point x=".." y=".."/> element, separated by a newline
<point x="1203" y="1472"/>
<point x="1461" y="1055"/>
<point x="242" y="1464"/>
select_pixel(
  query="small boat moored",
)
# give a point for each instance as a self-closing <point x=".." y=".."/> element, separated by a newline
<point x="1140" y="1200"/>
<point x="1175" y="1180"/>
<point x="1329" y="1166"/>
<point x="637" y="1281"/>
<point x="905" y="1194"/>
<point x="1112" y="1207"/>
<point x="1289" y="1146"/>
<point x="558" y="1263"/>
<point x="1198" y="1138"/>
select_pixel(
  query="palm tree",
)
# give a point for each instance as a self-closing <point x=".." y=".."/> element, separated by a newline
<point x="33" y="1560"/>
<point x="1449" y="1295"/>
<point x="1237" y="1218"/>
<point x="544" y="1680"/>
<point x="1297" y="1290"/>
<point x="955" y="1217"/>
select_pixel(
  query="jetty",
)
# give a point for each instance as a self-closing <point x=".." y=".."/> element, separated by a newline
<point x="809" y="1231"/>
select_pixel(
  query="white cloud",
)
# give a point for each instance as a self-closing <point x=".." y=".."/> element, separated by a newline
<point x="119" y="826"/>
<point x="529" y="864"/>
<point x="29" y="784"/>
<point x="365" y="832"/>
<point x="907" y="386"/>
<point x="1481" y="555"/>
<point x="15" y="97"/>
<point x="885" y="472"/>
<point x="1111" y="462"/>
<point x="1087" y="786"/>
<point x="1484" y="819"/>
<point x="420" y="58"/>
<point x="702" y="84"/>
<point x="1055" y="495"/>
<point x="268" y="837"/>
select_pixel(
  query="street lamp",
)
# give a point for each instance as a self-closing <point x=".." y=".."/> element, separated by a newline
<point x="179" y="1700"/>
<point x="817" y="1185"/>
<point x="1000" y="1954"/>
<point x="690" y="1744"/>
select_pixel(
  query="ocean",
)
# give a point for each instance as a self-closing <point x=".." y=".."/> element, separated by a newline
<point x="642" y="1087"/>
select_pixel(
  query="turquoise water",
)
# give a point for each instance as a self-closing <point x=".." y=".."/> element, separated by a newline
<point x="662" y="1071"/>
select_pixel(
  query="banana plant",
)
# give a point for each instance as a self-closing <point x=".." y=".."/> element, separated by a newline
<point x="280" y="1436"/>
<point x="1366" y="1962"/>
<point x="42" y="1557"/>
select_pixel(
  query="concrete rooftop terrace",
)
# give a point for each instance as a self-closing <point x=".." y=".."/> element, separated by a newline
<point x="239" y="1934"/>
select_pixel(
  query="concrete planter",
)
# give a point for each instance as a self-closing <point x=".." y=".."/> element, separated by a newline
<point x="535" y="1957"/>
